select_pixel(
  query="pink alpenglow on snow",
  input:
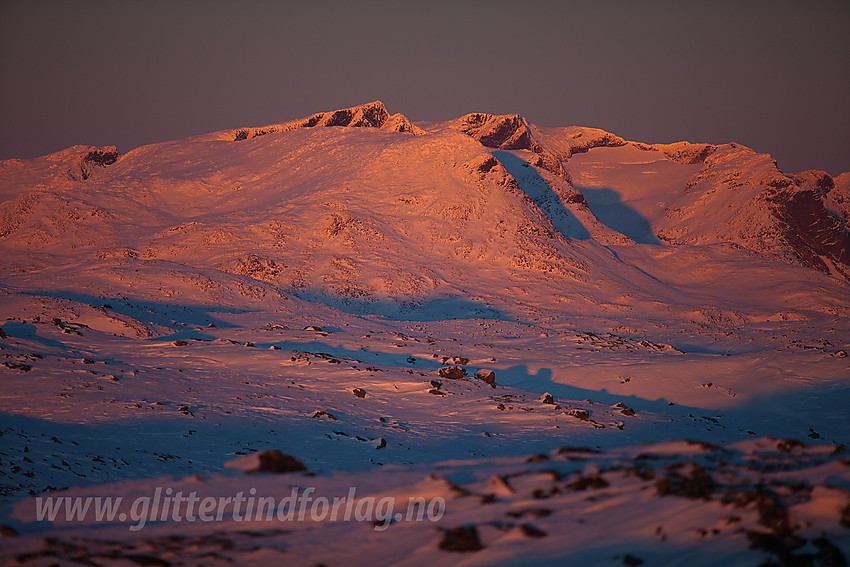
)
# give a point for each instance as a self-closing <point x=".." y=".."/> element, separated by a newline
<point x="351" y="338"/>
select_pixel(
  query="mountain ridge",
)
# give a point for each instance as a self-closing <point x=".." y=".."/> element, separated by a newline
<point x="482" y="310"/>
<point x="748" y="201"/>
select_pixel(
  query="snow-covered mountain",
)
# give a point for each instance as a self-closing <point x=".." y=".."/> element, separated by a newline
<point x="627" y="295"/>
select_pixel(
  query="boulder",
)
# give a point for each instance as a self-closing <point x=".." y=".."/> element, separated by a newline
<point x="452" y="372"/>
<point x="486" y="376"/>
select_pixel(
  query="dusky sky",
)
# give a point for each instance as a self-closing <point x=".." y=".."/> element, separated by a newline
<point x="773" y="75"/>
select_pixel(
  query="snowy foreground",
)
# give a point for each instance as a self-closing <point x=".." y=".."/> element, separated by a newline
<point x="273" y="346"/>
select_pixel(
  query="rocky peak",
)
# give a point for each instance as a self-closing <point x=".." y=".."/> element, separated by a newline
<point x="509" y="132"/>
<point x="504" y="132"/>
<point x="369" y="115"/>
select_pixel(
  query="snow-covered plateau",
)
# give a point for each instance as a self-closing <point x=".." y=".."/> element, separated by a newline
<point x="562" y="346"/>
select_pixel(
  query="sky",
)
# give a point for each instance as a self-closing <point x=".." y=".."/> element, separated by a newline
<point x="772" y="75"/>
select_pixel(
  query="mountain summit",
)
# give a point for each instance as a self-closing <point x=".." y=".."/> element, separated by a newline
<point x="370" y="115"/>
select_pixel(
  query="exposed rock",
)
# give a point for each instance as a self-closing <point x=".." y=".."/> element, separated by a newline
<point x="582" y="140"/>
<point x="781" y="545"/>
<point x="589" y="481"/>
<point x="486" y="376"/>
<point x="580" y="414"/>
<point x="273" y="461"/>
<point x="372" y="115"/>
<point x="546" y="398"/>
<point x="369" y="115"/>
<point x="788" y="445"/>
<point x="91" y="161"/>
<point x="577" y="450"/>
<point x="452" y="372"/>
<point x="489" y="168"/>
<point x="400" y="123"/>
<point x="530" y="531"/>
<point x="809" y="227"/>
<point x="796" y="219"/>
<point x="624" y="409"/>
<point x="324" y="414"/>
<point x="682" y="152"/>
<point x="461" y="539"/>
<point x="104" y="156"/>
<point x="359" y="392"/>
<point x="533" y="512"/>
<point x="257" y="267"/>
<point x="696" y="484"/>
<point x="508" y="132"/>
<point x="455" y="360"/>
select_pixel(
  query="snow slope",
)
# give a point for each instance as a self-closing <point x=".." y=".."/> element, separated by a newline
<point x="300" y="286"/>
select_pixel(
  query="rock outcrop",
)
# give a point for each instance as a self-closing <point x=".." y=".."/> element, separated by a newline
<point x="369" y="115"/>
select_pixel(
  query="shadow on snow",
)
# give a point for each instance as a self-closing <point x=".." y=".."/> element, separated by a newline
<point x="609" y="208"/>
<point x="543" y="195"/>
